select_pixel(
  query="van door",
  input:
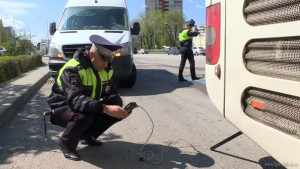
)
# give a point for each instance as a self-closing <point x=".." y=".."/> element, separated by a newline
<point x="262" y="74"/>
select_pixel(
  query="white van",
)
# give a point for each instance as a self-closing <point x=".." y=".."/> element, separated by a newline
<point x="81" y="19"/>
<point x="253" y="73"/>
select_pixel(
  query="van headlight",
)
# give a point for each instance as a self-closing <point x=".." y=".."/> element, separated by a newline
<point x="54" y="51"/>
<point x="126" y="50"/>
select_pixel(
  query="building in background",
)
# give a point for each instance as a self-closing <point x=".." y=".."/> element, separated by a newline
<point x="199" y="41"/>
<point x="43" y="46"/>
<point x="10" y="30"/>
<point x="11" y="33"/>
<point x="164" y="5"/>
<point x="7" y="34"/>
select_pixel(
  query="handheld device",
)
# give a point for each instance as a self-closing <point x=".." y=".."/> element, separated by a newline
<point x="130" y="106"/>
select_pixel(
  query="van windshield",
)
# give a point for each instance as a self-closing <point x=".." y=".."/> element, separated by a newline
<point x="94" y="18"/>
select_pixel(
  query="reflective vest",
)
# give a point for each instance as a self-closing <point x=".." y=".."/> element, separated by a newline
<point x="87" y="76"/>
<point x="184" y="36"/>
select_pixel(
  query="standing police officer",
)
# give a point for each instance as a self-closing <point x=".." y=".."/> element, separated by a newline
<point x="83" y="100"/>
<point x="185" y="39"/>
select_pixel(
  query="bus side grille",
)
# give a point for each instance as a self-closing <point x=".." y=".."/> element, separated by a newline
<point x="264" y="12"/>
<point x="280" y="111"/>
<point x="278" y="58"/>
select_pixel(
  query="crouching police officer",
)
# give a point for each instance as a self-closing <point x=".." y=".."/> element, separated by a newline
<point x="186" y="42"/>
<point x="83" y="100"/>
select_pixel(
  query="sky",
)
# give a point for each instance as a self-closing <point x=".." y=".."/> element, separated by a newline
<point x="34" y="16"/>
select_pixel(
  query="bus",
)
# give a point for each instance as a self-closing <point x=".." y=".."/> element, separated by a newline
<point x="253" y="71"/>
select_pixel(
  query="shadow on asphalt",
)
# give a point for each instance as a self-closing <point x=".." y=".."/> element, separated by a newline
<point x="114" y="154"/>
<point x="164" y="82"/>
<point x="265" y="162"/>
<point x="270" y="163"/>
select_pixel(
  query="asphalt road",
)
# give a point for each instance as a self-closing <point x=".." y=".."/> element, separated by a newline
<point x="186" y="125"/>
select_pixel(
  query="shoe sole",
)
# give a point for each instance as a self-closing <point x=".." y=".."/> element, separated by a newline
<point x="74" y="159"/>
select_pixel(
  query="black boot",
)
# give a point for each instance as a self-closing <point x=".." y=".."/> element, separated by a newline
<point x="181" y="79"/>
<point x="195" y="78"/>
<point x="90" y="140"/>
<point x="68" y="153"/>
<point x="193" y="72"/>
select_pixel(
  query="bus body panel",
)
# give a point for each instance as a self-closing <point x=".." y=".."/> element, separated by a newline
<point x="238" y="79"/>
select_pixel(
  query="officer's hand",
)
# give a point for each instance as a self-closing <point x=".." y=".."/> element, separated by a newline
<point x="115" y="111"/>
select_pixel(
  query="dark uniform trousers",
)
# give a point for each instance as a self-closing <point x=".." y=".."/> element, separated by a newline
<point x="187" y="53"/>
<point x="77" y="124"/>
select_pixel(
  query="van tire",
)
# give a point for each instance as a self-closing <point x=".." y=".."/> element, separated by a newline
<point x="130" y="81"/>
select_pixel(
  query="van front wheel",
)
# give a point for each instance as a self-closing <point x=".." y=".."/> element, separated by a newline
<point x="130" y="81"/>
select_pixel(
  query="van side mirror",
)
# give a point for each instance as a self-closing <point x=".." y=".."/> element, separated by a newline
<point x="136" y="28"/>
<point x="52" y="28"/>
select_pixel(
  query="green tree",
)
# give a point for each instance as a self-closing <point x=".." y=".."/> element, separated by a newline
<point x="147" y="31"/>
<point x="174" y="22"/>
<point x="18" y="45"/>
<point x="3" y="33"/>
<point x="152" y="29"/>
<point x="159" y="29"/>
<point x="22" y="44"/>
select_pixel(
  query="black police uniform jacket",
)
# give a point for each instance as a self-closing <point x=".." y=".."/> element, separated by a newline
<point x="80" y="87"/>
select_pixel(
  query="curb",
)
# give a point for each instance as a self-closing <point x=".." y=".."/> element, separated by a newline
<point x="11" y="110"/>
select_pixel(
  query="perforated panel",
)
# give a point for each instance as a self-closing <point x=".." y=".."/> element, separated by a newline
<point x="280" y="111"/>
<point x="278" y="58"/>
<point x="262" y="12"/>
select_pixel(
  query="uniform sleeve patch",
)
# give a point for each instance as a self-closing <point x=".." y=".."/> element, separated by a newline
<point x="73" y="80"/>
